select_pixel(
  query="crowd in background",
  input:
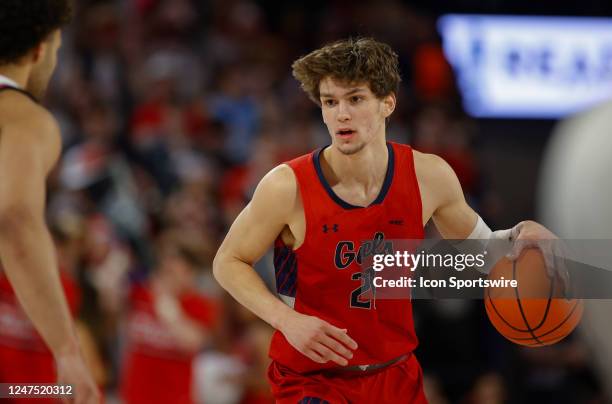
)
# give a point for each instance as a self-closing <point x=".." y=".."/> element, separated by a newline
<point x="171" y="111"/>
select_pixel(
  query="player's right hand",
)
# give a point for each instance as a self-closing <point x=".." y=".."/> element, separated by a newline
<point x="317" y="339"/>
<point x="528" y="234"/>
<point x="71" y="369"/>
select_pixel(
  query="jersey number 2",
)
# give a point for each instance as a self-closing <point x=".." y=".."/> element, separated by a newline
<point x="357" y="301"/>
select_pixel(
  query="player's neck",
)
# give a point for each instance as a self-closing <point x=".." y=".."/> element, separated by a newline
<point x="16" y="73"/>
<point x="366" y="167"/>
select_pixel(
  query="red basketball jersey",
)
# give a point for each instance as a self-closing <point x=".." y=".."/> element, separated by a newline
<point x="323" y="276"/>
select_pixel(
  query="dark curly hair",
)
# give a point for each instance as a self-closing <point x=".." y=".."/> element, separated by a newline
<point x="361" y="60"/>
<point x="26" y="23"/>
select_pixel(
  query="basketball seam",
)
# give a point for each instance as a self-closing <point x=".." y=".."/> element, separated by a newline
<point x="520" y="306"/>
<point x="550" y="294"/>
<point x="557" y="327"/>
<point x="490" y="300"/>
<point x="499" y="315"/>
<point x="538" y="339"/>
<point x="541" y="343"/>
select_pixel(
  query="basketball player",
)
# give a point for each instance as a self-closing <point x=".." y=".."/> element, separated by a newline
<point x="575" y="175"/>
<point x="29" y="148"/>
<point x="332" y="344"/>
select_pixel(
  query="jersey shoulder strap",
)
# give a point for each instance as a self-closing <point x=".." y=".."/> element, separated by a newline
<point x="4" y="87"/>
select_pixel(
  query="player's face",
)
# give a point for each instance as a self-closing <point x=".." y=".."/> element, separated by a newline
<point x="353" y="114"/>
<point x="44" y="67"/>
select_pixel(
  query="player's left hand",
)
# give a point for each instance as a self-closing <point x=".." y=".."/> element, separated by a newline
<point x="530" y="234"/>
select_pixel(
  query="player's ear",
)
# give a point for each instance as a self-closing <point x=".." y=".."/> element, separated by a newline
<point x="46" y="45"/>
<point x="36" y="54"/>
<point x="389" y="102"/>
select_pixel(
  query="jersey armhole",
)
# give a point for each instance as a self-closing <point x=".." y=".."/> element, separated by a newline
<point x="415" y="180"/>
<point x="304" y="196"/>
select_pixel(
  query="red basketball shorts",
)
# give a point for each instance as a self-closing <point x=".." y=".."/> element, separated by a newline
<point x="401" y="382"/>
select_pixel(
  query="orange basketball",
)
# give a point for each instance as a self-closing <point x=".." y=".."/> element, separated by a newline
<point x="530" y="314"/>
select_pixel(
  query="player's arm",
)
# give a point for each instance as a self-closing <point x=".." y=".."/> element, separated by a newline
<point x="28" y="150"/>
<point x="443" y="197"/>
<point x="29" y="147"/>
<point x="249" y="237"/>
<point x="455" y="219"/>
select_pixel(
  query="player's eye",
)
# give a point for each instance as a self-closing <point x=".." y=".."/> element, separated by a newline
<point x="329" y="103"/>
<point x="356" y="98"/>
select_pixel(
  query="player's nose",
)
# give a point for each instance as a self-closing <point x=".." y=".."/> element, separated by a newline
<point x="343" y="113"/>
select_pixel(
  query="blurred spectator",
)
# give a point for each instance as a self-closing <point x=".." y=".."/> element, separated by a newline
<point x="167" y="323"/>
<point x="238" y="111"/>
<point x="488" y="389"/>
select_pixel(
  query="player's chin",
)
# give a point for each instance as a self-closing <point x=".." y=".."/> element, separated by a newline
<point x="349" y="147"/>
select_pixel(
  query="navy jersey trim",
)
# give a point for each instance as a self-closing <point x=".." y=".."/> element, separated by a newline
<point x="19" y="90"/>
<point x="285" y="268"/>
<point x="383" y="191"/>
<point x="312" y="400"/>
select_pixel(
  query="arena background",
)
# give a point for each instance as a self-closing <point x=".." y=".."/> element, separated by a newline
<point x="172" y="110"/>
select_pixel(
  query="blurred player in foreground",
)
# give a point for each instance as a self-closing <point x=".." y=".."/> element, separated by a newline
<point x="30" y="145"/>
<point x="334" y="344"/>
<point x="576" y="174"/>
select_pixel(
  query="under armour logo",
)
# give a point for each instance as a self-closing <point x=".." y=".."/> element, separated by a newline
<point x="334" y="228"/>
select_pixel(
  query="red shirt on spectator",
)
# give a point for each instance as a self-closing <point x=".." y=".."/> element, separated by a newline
<point x="155" y="369"/>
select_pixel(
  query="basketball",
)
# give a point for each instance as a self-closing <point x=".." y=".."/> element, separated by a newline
<point x="531" y="314"/>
